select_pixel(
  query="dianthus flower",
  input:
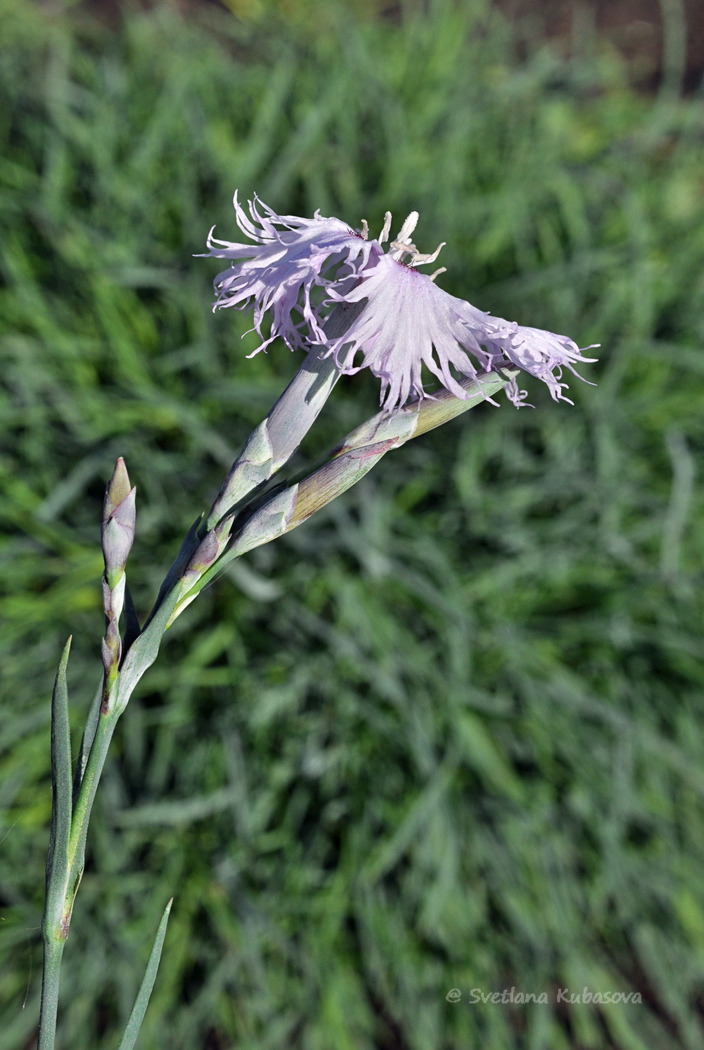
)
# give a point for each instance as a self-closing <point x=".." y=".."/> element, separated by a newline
<point x="403" y="321"/>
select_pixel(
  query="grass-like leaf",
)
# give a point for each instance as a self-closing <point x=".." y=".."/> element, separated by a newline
<point x="57" y="865"/>
<point x="145" y="989"/>
<point x="87" y="738"/>
<point x="61" y="778"/>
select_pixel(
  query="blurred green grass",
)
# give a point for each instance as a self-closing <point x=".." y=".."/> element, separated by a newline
<point x="448" y="734"/>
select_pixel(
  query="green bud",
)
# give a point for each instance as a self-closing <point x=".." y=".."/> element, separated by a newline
<point x="275" y="440"/>
<point x="207" y="553"/>
<point x="340" y="474"/>
<point x="267" y="523"/>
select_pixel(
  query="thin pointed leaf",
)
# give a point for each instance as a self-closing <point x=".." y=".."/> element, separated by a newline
<point x="57" y="863"/>
<point x="188" y="548"/>
<point x="145" y="649"/>
<point x="132" y="626"/>
<point x="87" y="738"/>
<point x="61" y="778"/>
<point x="145" y="989"/>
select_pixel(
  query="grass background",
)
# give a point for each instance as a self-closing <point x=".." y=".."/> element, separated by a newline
<point x="449" y="733"/>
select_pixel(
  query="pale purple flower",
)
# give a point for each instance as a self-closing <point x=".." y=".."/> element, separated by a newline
<point x="403" y="321"/>
<point x="280" y="270"/>
<point x="408" y="322"/>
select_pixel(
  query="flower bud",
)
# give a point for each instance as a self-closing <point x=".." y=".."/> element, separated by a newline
<point x="267" y="523"/>
<point x="118" y="524"/>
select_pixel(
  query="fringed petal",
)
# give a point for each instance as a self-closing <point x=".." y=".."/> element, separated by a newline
<point x="277" y="274"/>
<point x="296" y="269"/>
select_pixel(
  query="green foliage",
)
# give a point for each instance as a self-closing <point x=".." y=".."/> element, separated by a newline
<point x="448" y="733"/>
<point x="145" y="989"/>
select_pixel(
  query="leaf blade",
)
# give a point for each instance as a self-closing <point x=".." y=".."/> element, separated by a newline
<point x="61" y="775"/>
<point x="139" y="1009"/>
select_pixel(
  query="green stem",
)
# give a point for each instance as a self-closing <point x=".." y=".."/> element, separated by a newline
<point x="58" y="917"/>
<point x="54" y="929"/>
<point x="53" y="951"/>
<point x="84" y="803"/>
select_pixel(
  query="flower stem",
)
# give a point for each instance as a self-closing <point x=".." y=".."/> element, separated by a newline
<point x="84" y="802"/>
<point x="53" y="952"/>
<point x="54" y="930"/>
<point x="62" y="894"/>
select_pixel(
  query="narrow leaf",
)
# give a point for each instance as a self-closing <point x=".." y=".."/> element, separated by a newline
<point x="145" y="989"/>
<point x="61" y="778"/>
<point x="145" y="649"/>
<point x="88" y="737"/>
<point x="188" y="548"/>
<point x="132" y="625"/>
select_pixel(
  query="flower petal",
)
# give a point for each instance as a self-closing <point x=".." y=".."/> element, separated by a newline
<point x="278" y="273"/>
<point x="296" y="268"/>
<point x="407" y="322"/>
<point x="541" y="353"/>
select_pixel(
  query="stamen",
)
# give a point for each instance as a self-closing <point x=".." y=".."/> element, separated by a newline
<point x="421" y="260"/>
<point x="365" y="230"/>
<point x="384" y="235"/>
<point x="443" y="269"/>
<point x="408" y="227"/>
<point x="401" y="248"/>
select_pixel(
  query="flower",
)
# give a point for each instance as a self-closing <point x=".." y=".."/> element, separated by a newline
<point x="403" y="320"/>
<point x="279" y="271"/>
<point x="407" y="322"/>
